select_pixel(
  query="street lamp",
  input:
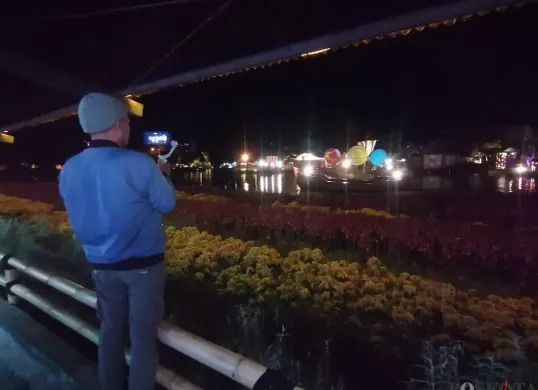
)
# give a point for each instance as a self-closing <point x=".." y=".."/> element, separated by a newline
<point x="520" y="169"/>
<point x="397" y="174"/>
<point x="244" y="157"/>
<point x="308" y="170"/>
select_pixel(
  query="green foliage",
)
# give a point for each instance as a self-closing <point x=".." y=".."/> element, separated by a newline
<point x="264" y="338"/>
<point x="38" y="244"/>
<point x="440" y="367"/>
<point x="445" y="367"/>
<point x="250" y="322"/>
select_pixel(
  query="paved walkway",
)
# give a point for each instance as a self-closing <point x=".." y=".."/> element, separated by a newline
<point x="32" y="358"/>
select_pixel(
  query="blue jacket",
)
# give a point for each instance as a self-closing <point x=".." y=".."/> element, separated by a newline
<point x="114" y="199"/>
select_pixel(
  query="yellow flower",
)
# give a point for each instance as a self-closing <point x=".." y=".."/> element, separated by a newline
<point x="330" y="287"/>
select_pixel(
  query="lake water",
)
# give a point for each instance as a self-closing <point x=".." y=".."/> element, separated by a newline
<point x="284" y="182"/>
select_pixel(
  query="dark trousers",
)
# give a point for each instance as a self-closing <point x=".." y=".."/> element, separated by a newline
<point x="134" y="300"/>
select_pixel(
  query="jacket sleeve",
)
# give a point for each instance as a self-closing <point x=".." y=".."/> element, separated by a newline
<point x="162" y="193"/>
<point x="62" y="177"/>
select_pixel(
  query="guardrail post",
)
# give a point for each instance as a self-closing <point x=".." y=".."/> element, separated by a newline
<point x="11" y="277"/>
<point x="244" y="371"/>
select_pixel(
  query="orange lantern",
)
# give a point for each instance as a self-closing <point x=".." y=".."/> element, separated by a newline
<point x="333" y="156"/>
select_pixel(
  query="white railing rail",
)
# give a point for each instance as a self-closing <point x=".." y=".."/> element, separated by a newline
<point x="247" y="372"/>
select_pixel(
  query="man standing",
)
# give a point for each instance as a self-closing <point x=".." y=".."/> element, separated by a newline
<point x="114" y="199"/>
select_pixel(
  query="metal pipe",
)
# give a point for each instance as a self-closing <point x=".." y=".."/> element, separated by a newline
<point x="43" y="74"/>
<point x="228" y="363"/>
<point x="165" y="377"/>
<point x="11" y="276"/>
<point x="242" y="370"/>
<point x="75" y="291"/>
<point x="321" y="44"/>
<point x="296" y="50"/>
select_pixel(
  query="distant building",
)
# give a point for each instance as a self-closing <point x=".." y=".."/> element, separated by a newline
<point x="185" y="152"/>
<point x="445" y="153"/>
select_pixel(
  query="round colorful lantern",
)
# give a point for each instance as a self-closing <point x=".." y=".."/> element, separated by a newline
<point x="378" y="157"/>
<point x="333" y="156"/>
<point x="358" y="155"/>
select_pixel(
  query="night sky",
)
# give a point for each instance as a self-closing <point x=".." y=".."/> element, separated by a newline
<point x="469" y="81"/>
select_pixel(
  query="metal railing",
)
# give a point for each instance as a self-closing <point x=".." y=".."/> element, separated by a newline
<point x="244" y="371"/>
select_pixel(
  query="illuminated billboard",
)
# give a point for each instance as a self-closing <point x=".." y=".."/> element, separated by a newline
<point x="157" y="138"/>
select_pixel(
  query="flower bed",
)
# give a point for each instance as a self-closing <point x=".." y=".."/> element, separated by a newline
<point x="368" y="296"/>
<point x="460" y="247"/>
<point x="494" y="208"/>
<point x="451" y="245"/>
<point x="292" y="205"/>
<point x="490" y="208"/>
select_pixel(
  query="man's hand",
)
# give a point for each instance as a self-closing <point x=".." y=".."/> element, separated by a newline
<point x="165" y="167"/>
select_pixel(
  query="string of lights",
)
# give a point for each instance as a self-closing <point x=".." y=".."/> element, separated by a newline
<point x="200" y="27"/>
<point x="315" y="53"/>
<point x="104" y="12"/>
<point x="69" y="111"/>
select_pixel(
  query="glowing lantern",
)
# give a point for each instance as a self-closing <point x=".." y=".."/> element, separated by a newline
<point x="333" y="156"/>
<point x="358" y="155"/>
<point x="378" y="157"/>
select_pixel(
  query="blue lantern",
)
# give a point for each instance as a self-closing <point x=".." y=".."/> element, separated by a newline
<point x="378" y="157"/>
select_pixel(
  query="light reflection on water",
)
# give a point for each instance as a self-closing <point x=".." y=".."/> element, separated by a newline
<point x="522" y="183"/>
<point x="285" y="183"/>
<point x="263" y="183"/>
<point x="277" y="183"/>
